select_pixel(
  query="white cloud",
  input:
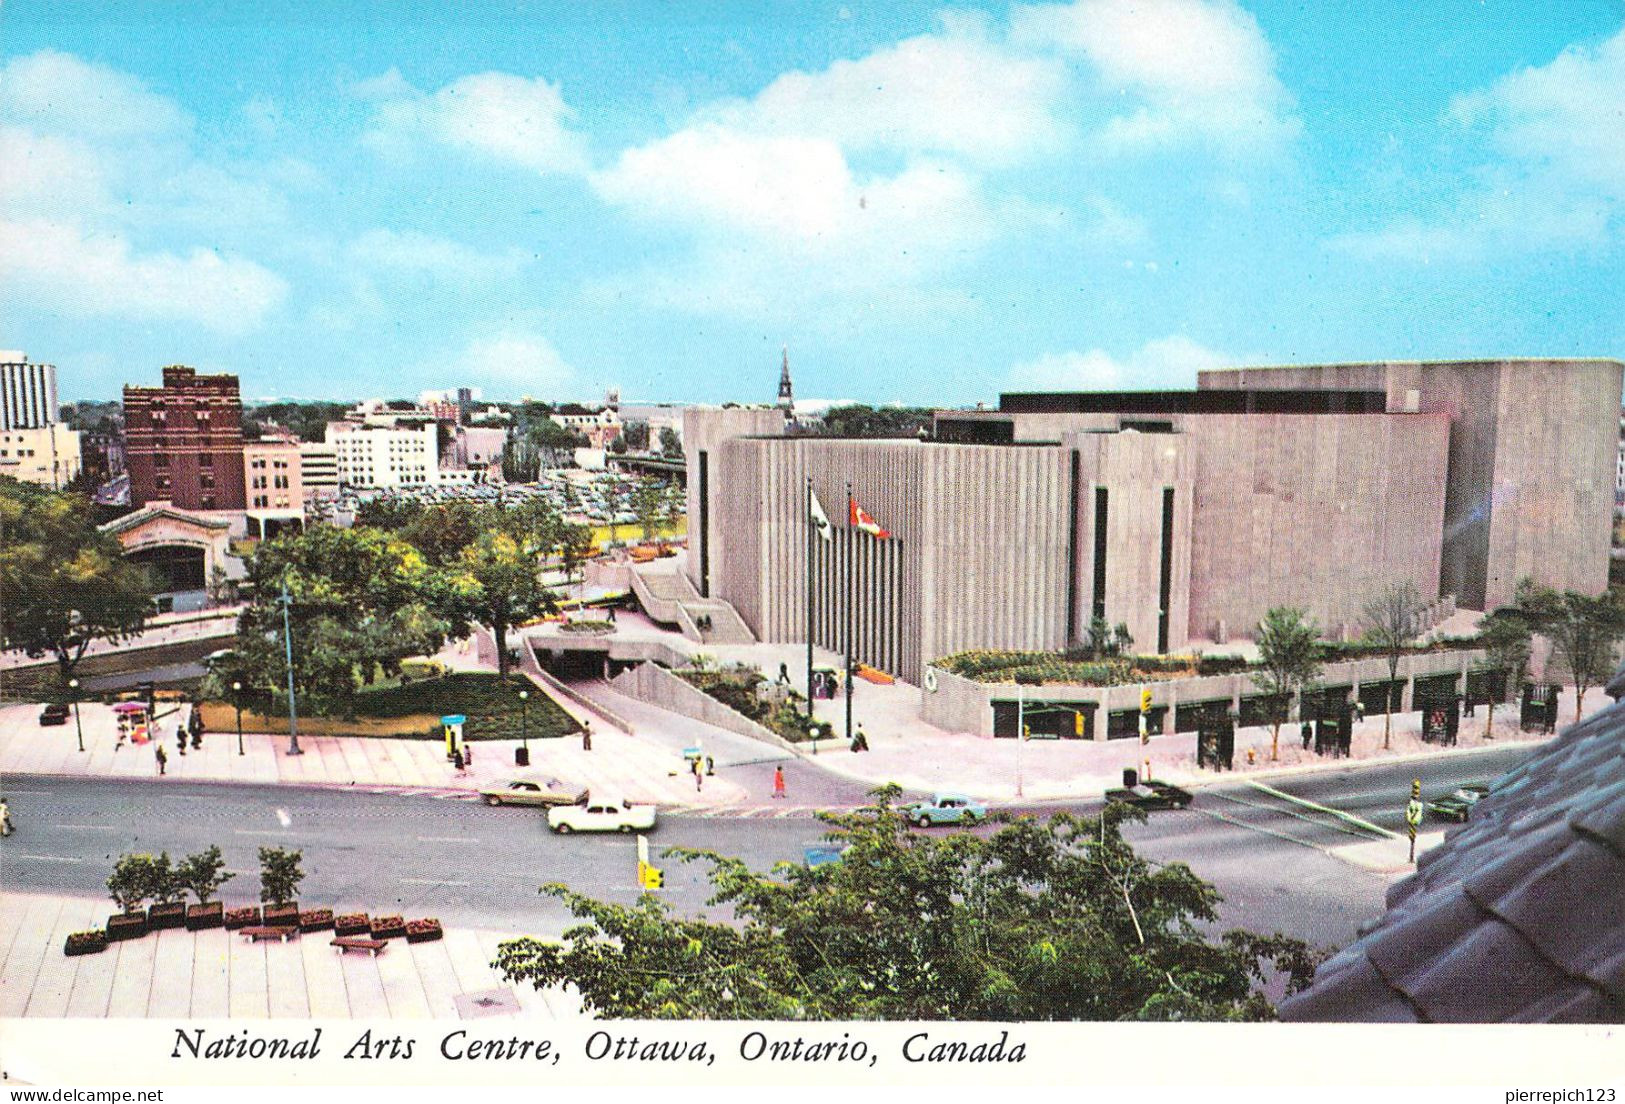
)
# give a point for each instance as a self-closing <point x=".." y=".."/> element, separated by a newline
<point x="102" y="275"/>
<point x="63" y="94"/>
<point x="1199" y="71"/>
<point x="1158" y="364"/>
<point x="44" y="174"/>
<point x="522" y="360"/>
<point x="957" y="92"/>
<point x="1552" y="174"/>
<point x="514" y="119"/>
<point x="411" y="252"/>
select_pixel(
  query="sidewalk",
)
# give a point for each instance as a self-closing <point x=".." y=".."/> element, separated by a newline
<point x="167" y="628"/>
<point x="218" y="974"/>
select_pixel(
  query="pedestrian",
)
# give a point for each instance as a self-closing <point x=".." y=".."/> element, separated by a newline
<point x="612" y="615"/>
<point x="195" y="723"/>
<point x="180" y="737"/>
<point x="784" y="674"/>
<point x="586" y="735"/>
<point x="468" y="754"/>
<point x="158" y="753"/>
<point x="699" y="774"/>
<point x="1308" y="734"/>
<point x="710" y="765"/>
<point x="5" y="819"/>
<point x="860" y="740"/>
<point x="457" y="760"/>
<point x="778" y="782"/>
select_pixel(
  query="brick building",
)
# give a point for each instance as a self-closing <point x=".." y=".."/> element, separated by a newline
<point x="184" y="441"/>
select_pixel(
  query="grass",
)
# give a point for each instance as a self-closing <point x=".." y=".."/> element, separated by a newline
<point x="413" y="711"/>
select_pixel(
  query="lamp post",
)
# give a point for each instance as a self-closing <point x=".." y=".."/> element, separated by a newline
<point x="1021" y="732"/>
<point x="237" y="702"/>
<point x="523" y="759"/>
<point x="812" y="734"/>
<point x="73" y="685"/>
<point x="287" y="638"/>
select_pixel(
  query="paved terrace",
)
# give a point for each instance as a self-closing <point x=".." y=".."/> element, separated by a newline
<point x="218" y="974"/>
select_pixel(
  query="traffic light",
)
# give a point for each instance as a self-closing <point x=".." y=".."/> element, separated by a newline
<point x="1026" y="732"/>
<point x="1145" y="701"/>
<point x="1077" y="724"/>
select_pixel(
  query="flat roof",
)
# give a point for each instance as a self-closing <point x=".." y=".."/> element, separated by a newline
<point x="1238" y="401"/>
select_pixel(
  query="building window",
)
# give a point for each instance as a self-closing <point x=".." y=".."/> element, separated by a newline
<point x="206" y="460"/>
<point x="161" y="460"/>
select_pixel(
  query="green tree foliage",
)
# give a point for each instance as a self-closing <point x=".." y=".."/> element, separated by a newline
<point x="1584" y="631"/>
<point x="440" y="531"/>
<point x="1390" y="622"/>
<point x="362" y="601"/>
<point x="1506" y="638"/>
<point x="670" y="443"/>
<point x="648" y="505"/>
<point x="140" y="877"/>
<point x="636" y="435"/>
<point x="1041" y="921"/>
<point x="280" y="875"/>
<point x="64" y="582"/>
<point x="305" y="420"/>
<point x="1289" y="657"/>
<point x="203" y="873"/>
<point x="500" y="573"/>
<point x="859" y="420"/>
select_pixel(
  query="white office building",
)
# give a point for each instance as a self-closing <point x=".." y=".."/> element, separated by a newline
<point x="403" y="454"/>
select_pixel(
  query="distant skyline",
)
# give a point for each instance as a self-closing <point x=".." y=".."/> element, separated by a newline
<point x="927" y="203"/>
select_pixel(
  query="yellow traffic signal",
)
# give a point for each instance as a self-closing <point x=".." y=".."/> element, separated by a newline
<point x="1077" y="724"/>
<point x="1145" y="701"/>
<point x="1026" y="732"/>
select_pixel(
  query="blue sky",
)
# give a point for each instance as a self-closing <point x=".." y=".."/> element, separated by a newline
<point x="927" y="204"/>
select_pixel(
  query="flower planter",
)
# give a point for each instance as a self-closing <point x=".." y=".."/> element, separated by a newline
<point x="281" y="916"/>
<point x="388" y="927"/>
<point x="242" y="918"/>
<point x="169" y="914"/>
<point x="423" y="931"/>
<point x="352" y="923"/>
<point x="85" y="942"/>
<point x="312" y="920"/>
<point x="126" y="925"/>
<point x="208" y="915"/>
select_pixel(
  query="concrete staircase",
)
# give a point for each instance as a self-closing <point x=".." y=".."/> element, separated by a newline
<point x="668" y="596"/>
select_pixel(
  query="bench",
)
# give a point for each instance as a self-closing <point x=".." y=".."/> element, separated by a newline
<point x="357" y="943"/>
<point x="254" y="935"/>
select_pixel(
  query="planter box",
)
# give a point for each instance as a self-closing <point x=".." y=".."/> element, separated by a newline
<point x="85" y="942"/>
<point x="312" y="920"/>
<point x="126" y="925"/>
<point x="423" y="931"/>
<point x="209" y="915"/>
<point x="170" y="914"/>
<point x="352" y="923"/>
<point x="242" y="917"/>
<point x="388" y="927"/>
<point x="281" y="916"/>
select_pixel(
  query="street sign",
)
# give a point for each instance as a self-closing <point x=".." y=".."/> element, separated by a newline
<point x="649" y="875"/>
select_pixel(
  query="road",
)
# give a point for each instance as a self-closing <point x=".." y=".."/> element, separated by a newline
<point x="478" y="866"/>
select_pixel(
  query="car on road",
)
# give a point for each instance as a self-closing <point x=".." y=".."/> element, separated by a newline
<point x="533" y="791"/>
<point x="1150" y="794"/>
<point x="600" y="815"/>
<point x="55" y="713"/>
<point x="1458" y="806"/>
<point x="945" y="808"/>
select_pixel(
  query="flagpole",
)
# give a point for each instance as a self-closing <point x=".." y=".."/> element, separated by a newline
<point x="851" y="547"/>
<point x="812" y="547"/>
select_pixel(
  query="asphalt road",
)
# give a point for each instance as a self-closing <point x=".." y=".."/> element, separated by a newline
<point x="474" y="865"/>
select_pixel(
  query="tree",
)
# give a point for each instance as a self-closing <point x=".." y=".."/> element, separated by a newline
<point x="1583" y="629"/>
<point x="280" y="875"/>
<point x="65" y="583"/>
<point x="362" y="600"/>
<point x="648" y="505"/>
<point x="636" y="435"/>
<point x="617" y="446"/>
<point x="858" y="420"/>
<point x="1391" y="621"/>
<point x="1041" y="921"/>
<point x="501" y="576"/>
<point x="575" y="543"/>
<point x="138" y="878"/>
<point x="1289" y="663"/>
<point x="203" y="874"/>
<point x="1505" y="637"/>
<point x="670" y="443"/>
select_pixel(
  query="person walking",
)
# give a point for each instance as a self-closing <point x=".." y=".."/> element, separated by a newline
<point x="778" y="782"/>
<point x="586" y="735"/>
<point x="457" y="760"/>
<point x="860" y="740"/>
<point x="784" y="674"/>
<point x="699" y="774"/>
<point x="468" y="754"/>
<point x="158" y="753"/>
<point x="5" y="819"/>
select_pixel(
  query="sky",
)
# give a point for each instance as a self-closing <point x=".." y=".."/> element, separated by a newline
<point x="926" y="204"/>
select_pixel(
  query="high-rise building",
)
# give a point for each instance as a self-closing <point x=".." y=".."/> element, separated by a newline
<point x="27" y="393"/>
<point x="35" y="446"/>
<point x="386" y="452"/>
<point x="184" y="441"/>
<point x="318" y="468"/>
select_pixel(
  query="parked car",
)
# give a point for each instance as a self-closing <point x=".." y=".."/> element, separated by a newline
<point x="1151" y="794"/>
<point x="533" y="791"/>
<point x="599" y="815"/>
<point x="945" y="808"/>
<point x="56" y="713"/>
<point x="1458" y="806"/>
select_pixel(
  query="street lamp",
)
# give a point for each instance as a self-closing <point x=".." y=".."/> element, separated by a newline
<point x="287" y="637"/>
<point x="73" y="685"/>
<point x="237" y="701"/>
<point x="523" y="757"/>
<point x="812" y="734"/>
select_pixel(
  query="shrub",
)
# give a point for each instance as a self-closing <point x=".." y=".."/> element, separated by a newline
<point x="136" y="879"/>
<point x="203" y="874"/>
<point x="280" y="875"/>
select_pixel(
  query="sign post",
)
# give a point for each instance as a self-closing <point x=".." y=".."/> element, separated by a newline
<point x="1413" y="814"/>
<point x="649" y="875"/>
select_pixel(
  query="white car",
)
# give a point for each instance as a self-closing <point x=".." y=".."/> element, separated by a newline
<point x="600" y="815"/>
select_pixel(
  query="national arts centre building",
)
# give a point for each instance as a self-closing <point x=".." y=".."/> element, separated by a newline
<point x="1184" y="515"/>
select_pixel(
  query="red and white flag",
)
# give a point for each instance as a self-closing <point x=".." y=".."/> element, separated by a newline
<point x="861" y="520"/>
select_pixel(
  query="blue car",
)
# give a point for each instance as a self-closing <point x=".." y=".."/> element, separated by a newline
<point x="945" y="808"/>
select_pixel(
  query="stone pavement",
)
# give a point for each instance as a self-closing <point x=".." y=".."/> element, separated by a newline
<point x="221" y="975"/>
<point x="618" y="765"/>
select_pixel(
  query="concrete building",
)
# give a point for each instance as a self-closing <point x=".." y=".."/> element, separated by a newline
<point x="184" y="441"/>
<point x="380" y="451"/>
<point x="318" y="468"/>
<point x="1619" y="466"/>
<point x="476" y="447"/>
<point x="35" y="445"/>
<point x="599" y="425"/>
<point x="274" y="486"/>
<point x="27" y="393"/>
<point x="1185" y="516"/>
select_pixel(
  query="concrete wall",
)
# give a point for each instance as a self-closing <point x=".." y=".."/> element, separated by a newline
<point x="658" y="686"/>
<point x="704" y="428"/>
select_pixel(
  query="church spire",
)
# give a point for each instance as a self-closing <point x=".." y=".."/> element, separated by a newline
<point x="787" y="399"/>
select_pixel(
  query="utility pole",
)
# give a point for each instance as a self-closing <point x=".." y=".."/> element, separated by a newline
<point x="73" y="684"/>
<point x="812" y="548"/>
<point x="851" y="548"/>
<point x="237" y="703"/>
<point x="287" y="641"/>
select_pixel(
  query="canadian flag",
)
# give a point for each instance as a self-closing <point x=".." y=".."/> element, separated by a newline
<point x="861" y="520"/>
